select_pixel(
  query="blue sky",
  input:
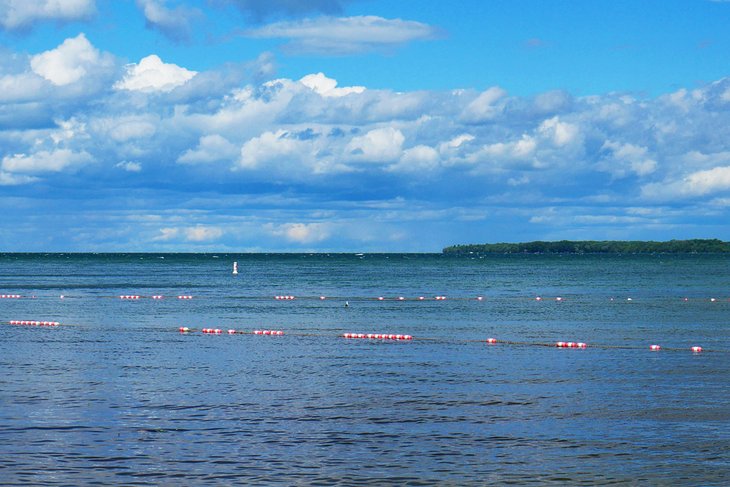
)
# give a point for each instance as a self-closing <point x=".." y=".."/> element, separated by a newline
<point x="360" y="125"/>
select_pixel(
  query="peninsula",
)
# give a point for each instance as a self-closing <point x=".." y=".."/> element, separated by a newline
<point x="695" y="246"/>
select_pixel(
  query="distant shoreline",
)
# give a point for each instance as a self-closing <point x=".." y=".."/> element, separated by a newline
<point x="694" y="246"/>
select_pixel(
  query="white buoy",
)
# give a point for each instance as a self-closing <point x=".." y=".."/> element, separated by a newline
<point x="235" y="268"/>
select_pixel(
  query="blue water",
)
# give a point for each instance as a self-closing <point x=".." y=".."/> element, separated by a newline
<point x="116" y="395"/>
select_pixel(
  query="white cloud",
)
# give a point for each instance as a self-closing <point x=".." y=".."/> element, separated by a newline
<point x="417" y="159"/>
<point x="10" y="179"/>
<point x="20" y="14"/>
<point x="710" y="181"/>
<point x="151" y="75"/>
<point x="696" y="184"/>
<point x="129" y="166"/>
<point x="303" y="233"/>
<point x="202" y="234"/>
<point x="211" y="148"/>
<point x="560" y="133"/>
<point x="344" y="35"/>
<point x="626" y="159"/>
<point x="199" y="233"/>
<point x="327" y="87"/>
<point x="485" y="107"/>
<point x="45" y="161"/>
<point x="271" y="147"/>
<point x="377" y="145"/>
<point x="22" y="87"/>
<point x="73" y="60"/>
<point x="521" y="149"/>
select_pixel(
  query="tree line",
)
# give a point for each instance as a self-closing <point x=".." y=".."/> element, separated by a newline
<point x="694" y="246"/>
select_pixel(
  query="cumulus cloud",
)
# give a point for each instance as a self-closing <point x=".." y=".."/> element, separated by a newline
<point x="627" y="159"/>
<point x="197" y="234"/>
<point x="44" y="161"/>
<point x="151" y="75"/>
<point x="420" y="158"/>
<point x="485" y="107"/>
<point x="321" y="84"/>
<point x="23" y="14"/>
<point x="378" y="145"/>
<point x="696" y="184"/>
<point x="129" y="166"/>
<point x="560" y="133"/>
<point x="174" y="23"/>
<point x="10" y="179"/>
<point x="344" y="35"/>
<point x="20" y="87"/>
<point x="309" y="156"/>
<point x="272" y="147"/>
<point x="211" y="148"/>
<point x="70" y="62"/>
<point x="303" y="233"/>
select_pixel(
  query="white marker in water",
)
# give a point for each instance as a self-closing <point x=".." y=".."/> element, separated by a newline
<point x="235" y="268"/>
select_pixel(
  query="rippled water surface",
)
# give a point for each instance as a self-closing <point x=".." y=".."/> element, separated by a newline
<point x="117" y="395"/>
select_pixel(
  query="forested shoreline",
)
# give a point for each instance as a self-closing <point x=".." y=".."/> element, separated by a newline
<point x="694" y="246"/>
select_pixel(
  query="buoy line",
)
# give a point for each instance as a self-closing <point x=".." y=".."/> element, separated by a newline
<point x="401" y="337"/>
<point x="382" y="298"/>
<point x="404" y="337"/>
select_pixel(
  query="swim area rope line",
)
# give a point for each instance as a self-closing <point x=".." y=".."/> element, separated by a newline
<point x="377" y="336"/>
<point x="441" y="298"/>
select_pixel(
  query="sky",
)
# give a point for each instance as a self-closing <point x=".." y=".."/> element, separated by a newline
<point x="360" y="125"/>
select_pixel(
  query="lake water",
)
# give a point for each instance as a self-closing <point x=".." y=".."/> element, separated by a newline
<point x="117" y="395"/>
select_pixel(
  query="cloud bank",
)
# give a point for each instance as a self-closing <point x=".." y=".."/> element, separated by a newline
<point x="157" y="154"/>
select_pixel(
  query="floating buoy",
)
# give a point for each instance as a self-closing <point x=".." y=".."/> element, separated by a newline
<point x="380" y="298"/>
<point x="696" y="349"/>
<point x="377" y="336"/>
<point x="712" y="300"/>
<point x="492" y="340"/>
<point x="130" y="296"/>
<point x="157" y="297"/>
<point x="231" y="332"/>
<point x="655" y="348"/>
<point x="558" y="298"/>
<point x="185" y="297"/>
<point x="322" y="298"/>
<point x="538" y="298"/>
<point x="421" y="298"/>
<point x="440" y="298"/>
<point x="33" y="323"/>
<point x="184" y="329"/>
<point x="235" y="268"/>
<point x="284" y="298"/>
<point x="9" y="296"/>
<point x="480" y="298"/>
<point x="268" y="332"/>
<point x="629" y="299"/>
<point x="401" y="298"/>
